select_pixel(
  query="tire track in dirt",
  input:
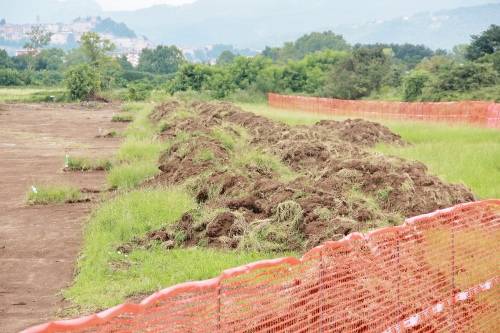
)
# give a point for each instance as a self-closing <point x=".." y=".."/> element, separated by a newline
<point x="39" y="245"/>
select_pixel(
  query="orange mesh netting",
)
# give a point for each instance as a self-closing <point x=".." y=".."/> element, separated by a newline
<point x="436" y="273"/>
<point x="480" y="113"/>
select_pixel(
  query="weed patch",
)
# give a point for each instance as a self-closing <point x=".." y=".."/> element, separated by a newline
<point x="44" y="195"/>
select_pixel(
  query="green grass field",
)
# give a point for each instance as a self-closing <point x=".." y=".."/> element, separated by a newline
<point x="31" y="95"/>
<point x="456" y="153"/>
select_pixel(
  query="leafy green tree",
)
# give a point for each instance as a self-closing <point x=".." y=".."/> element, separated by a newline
<point x="125" y="64"/>
<point x="465" y="77"/>
<point x="244" y="71"/>
<point x="225" y="58"/>
<point x="95" y="48"/>
<point x="139" y="91"/>
<point x="190" y="77"/>
<point x="307" y="44"/>
<point x="83" y="82"/>
<point x="96" y="52"/>
<point x="220" y="83"/>
<point x="74" y="57"/>
<point x="414" y="84"/>
<point x="10" y="77"/>
<point x="493" y="59"/>
<point x="272" y="53"/>
<point x="486" y="43"/>
<point x="359" y="75"/>
<point x="49" y="59"/>
<point x="38" y="38"/>
<point x="459" y="52"/>
<point x="435" y="64"/>
<point x="5" y="60"/>
<point x="318" y="41"/>
<point x="162" y="60"/>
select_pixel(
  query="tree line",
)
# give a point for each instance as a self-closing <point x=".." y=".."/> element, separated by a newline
<point x="316" y="64"/>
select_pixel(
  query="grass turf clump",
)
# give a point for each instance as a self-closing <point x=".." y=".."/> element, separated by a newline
<point x="140" y="150"/>
<point x="86" y="164"/>
<point x="263" y="162"/>
<point x="44" y="195"/>
<point x="122" y="118"/>
<point x="129" y="175"/>
<point x="280" y="233"/>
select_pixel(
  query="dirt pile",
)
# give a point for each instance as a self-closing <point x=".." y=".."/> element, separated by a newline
<point x="267" y="186"/>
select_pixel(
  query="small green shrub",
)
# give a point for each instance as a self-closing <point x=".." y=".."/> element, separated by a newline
<point x="10" y="77"/>
<point x="139" y="91"/>
<point x="44" y="195"/>
<point x="414" y="84"/>
<point x="83" y="82"/>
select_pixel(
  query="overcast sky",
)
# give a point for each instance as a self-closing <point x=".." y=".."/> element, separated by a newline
<point x="135" y="4"/>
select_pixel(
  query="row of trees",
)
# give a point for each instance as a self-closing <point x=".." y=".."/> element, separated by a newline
<point x="41" y="65"/>
<point x="321" y="64"/>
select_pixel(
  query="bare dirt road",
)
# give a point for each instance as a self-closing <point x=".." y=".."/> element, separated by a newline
<point x="39" y="245"/>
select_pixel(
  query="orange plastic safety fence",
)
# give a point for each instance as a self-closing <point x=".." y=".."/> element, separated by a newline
<point x="436" y="273"/>
<point x="485" y="114"/>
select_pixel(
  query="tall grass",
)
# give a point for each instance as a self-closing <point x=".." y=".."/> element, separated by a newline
<point x="138" y="155"/>
<point x="130" y="175"/>
<point x="456" y="153"/>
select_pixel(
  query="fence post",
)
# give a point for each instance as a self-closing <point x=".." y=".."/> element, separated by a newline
<point x="453" y="268"/>
<point x="218" y="306"/>
<point x="321" y="286"/>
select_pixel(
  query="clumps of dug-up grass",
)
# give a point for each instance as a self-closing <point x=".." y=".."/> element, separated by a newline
<point x="265" y="186"/>
<point x="45" y="195"/>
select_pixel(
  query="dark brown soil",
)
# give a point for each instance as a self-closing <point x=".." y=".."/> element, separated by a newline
<point x="339" y="185"/>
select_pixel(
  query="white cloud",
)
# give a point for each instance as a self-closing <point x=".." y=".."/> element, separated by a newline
<point x="136" y="4"/>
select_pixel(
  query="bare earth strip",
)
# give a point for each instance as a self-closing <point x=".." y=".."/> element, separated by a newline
<point x="39" y="245"/>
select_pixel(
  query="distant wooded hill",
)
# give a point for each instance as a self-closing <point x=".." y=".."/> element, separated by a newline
<point x="257" y="23"/>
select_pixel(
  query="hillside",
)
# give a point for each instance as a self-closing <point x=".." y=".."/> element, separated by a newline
<point x="255" y="24"/>
<point x="442" y="29"/>
<point x="259" y="23"/>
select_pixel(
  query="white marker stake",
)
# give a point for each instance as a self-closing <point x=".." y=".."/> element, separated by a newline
<point x="66" y="161"/>
<point x="33" y="188"/>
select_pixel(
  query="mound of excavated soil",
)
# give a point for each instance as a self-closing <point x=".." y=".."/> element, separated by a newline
<point x="266" y="186"/>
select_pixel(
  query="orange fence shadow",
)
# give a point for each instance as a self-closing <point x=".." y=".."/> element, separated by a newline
<point x="436" y="273"/>
<point x="485" y="114"/>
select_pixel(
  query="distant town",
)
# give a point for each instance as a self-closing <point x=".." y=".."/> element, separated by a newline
<point x="67" y="35"/>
